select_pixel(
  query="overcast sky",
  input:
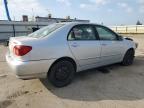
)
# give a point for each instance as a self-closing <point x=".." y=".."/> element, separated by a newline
<point x="110" y="12"/>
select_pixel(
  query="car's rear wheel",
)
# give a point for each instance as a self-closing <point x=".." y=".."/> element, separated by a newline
<point x="128" y="58"/>
<point x="61" y="73"/>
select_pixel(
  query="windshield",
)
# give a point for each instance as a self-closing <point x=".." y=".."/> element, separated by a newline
<point x="45" y="31"/>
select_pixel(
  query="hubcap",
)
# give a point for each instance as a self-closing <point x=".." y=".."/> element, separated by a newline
<point x="62" y="73"/>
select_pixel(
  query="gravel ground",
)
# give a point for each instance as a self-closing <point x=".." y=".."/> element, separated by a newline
<point x="121" y="87"/>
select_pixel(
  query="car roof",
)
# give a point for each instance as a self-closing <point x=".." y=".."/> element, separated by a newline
<point x="75" y="23"/>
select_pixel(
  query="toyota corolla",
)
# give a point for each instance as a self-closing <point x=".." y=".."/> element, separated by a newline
<point x="60" y="50"/>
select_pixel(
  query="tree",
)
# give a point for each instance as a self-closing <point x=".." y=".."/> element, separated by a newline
<point x="138" y="23"/>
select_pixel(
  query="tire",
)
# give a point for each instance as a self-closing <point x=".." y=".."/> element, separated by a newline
<point x="61" y="73"/>
<point x="128" y="58"/>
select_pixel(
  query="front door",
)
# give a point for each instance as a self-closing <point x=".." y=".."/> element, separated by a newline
<point x="111" y="46"/>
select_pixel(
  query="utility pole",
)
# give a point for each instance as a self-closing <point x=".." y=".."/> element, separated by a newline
<point x="7" y="11"/>
<point x="33" y="16"/>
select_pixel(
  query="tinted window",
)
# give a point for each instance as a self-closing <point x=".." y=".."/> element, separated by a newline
<point x="45" y="31"/>
<point x="105" y="34"/>
<point x="82" y="32"/>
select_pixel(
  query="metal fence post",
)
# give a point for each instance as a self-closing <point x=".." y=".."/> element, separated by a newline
<point x="136" y="29"/>
<point x="13" y="29"/>
<point x="37" y="26"/>
<point x="126" y="29"/>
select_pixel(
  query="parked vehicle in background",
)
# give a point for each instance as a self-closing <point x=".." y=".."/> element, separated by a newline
<point x="60" y="50"/>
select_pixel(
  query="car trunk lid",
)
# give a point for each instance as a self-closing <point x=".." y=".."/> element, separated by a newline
<point x="17" y="42"/>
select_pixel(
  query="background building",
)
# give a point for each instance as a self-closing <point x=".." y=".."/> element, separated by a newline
<point x="21" y="28"/>
<point x="56" y="20"/>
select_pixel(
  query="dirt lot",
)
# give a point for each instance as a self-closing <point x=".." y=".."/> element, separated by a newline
<point x="122" y="87"/>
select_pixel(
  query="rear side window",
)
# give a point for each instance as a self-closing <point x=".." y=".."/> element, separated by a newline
<point x="45" y="31"/>
<point x="82" y="32"/>
<point x="105" y="34"/>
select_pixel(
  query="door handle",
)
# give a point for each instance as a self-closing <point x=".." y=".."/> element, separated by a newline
<point x="104" y="44"/>
<point x="74" y="45"/>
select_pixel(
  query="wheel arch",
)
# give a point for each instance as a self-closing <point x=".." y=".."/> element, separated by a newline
<point x="131" y="49"/>
<point x="128" y="49"/>
<point x="63" y="58"/>
<point x="124" y="61"/>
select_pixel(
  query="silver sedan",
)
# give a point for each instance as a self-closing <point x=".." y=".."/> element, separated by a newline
<point x="60" y="50"/>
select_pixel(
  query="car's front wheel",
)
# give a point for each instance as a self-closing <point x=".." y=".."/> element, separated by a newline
<point x="61" y="73"/>
<point x="128" y="58"/>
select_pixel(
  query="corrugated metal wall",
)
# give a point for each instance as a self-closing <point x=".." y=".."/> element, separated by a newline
<point x="11" y="29"/>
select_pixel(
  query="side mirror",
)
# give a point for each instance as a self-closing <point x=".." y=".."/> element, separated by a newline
<point x="120" y="38"/>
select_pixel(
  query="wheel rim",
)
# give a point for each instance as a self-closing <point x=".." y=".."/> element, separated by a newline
<point x="62" y="73"/>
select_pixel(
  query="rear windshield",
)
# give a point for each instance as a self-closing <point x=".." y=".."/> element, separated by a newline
<point x="45" y="31"/>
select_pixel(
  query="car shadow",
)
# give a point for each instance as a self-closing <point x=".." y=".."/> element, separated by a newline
<point x="120" y="83"/>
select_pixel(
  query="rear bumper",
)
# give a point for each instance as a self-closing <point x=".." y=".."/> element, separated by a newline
<point x="29" y="69"/>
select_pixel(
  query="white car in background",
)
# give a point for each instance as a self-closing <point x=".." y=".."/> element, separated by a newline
<point x="60" y="50"/>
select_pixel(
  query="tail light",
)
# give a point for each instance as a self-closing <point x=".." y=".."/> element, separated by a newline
<point x="21" y="50"/>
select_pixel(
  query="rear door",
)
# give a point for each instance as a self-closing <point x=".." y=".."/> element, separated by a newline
<point x="84" y="44"/>
<point x="111" y="46"/>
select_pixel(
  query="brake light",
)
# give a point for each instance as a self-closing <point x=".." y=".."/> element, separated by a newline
<point x="21" y="50"/>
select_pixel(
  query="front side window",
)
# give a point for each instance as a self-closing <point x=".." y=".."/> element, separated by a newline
<point x="82" y="32"/>
<point x="45" y="31"/>
<point x="105" y="34"/>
